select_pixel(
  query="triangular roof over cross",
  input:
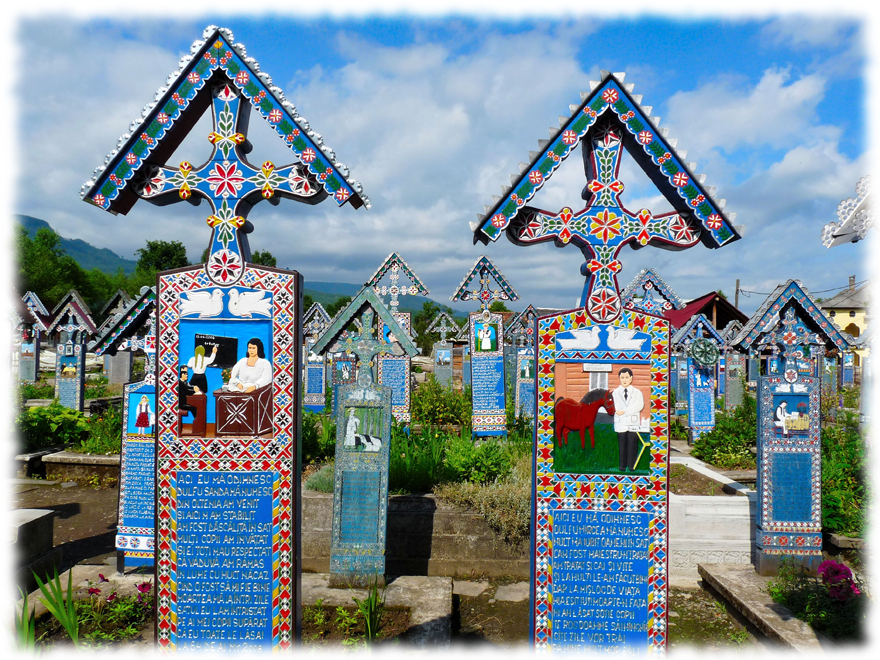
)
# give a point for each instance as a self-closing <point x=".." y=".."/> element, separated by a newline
<point x="21" y="314"/>
<point x="315" y="320"/>
<point x="443" y="324"/>
<point x="76" y="307"/>
<point x="523" y="319"/>
<point x="768" y="318"/>
<point x="138" y="312"/>
<point x="731" y="330"/>
<point x="855" y="216"/>
<point x="395" y="264"/>
<point x="485" y="269"/>
<point x="153" y="137"/>
<point x="698" y="326"/>
<point x="115" y="299"/>
<point x="38" y="309"/>
<point x="366" y="297"/>
<point x="644" y="284"/>
<point x="607" y="119"/>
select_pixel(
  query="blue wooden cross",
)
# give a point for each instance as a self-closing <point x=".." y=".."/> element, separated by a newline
<point x="793" y="337"/>
<point x="604" y="226"/>
<point x="231" y="184"/>
<point x="365" y="347"/>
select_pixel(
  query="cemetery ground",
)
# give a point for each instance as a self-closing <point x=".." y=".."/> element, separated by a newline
<point x="489" y="478"/>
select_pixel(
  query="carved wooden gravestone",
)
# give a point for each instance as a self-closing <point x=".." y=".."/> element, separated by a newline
<point x="135" y="330"/>
<point x="463" y="337"/>
<point x="649" y="293"/>
<point x="394" y="370"/>
<point x="703" y="344"/>
<point x="71" y="319"/>
<point x="521" y="337"/>
<point x="228" y="460"/>
<point x="363" y="438"/>
<point x="486" y="348"/>
<point x="117" y="367"/>
<point x="442" y="350"/>
<point x="344" y="372"/>
<point x="599" y="545"/>
<point x="789" y="516"/>
<point x="734" y="367"/>
<point x="29" y="355"/>
<point x="848" y="377"/>
<point x="315" y="323"/>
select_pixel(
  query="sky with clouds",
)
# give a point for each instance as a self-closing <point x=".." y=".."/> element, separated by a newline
<point x="433" y="113"/>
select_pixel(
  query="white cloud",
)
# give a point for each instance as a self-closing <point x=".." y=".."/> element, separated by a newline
<point x="804" y="31"/>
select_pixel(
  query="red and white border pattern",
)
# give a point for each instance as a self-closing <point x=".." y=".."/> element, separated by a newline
<point x="553" y="491"/>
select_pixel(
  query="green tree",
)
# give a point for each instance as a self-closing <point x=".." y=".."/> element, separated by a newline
<point x="498" y="306"/>
<point x="307" y="302"/>
<point x="264" y="258"/>
<point x="45" y="269"/>
<point x="422" y="320"/>
<point x="161" y="255"/>
<point x="337" y="304"/>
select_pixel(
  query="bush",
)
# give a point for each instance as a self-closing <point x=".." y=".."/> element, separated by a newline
<point x="833" y="603"/>
<point x="844" y="486"/>
<point x="50" y="426"/>
<point x="97" y="389"/>
<point x="38" y="390"/>
<point x="318" y="438"/>
<point x="727" y="445"/>
<point x="506" y="503"/>
<point x="322" y="480"/>
<point x="417" y="460"/>
<point x="434" y="405"/>
<point x="105" y="434"/>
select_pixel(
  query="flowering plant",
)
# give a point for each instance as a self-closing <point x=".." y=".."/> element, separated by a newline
<point x="839" y="580"/>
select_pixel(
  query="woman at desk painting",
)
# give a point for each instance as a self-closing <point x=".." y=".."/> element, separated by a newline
<point x="253" y="371"/>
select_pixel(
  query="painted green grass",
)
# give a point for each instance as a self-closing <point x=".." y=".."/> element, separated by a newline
<point x="602" y="459"/>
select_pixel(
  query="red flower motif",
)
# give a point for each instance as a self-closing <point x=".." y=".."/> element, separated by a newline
<point x="565" y="215"/>
<point x="604" y="305"/>
<point x="242" y="78"/>
<point x="308" y="155"/>
<point x="226" y="179"/>
<point x="664" y="158"/>
<point x="162" y="118"/>
<point x="714" y="221"/>
<point x="193" y="77"/>
<point x="645" y="137"/>
<point x="535" y="177"/>
<point x="275" y="115"/>
<point x="342" y="194"/>
<point x="696" y="201"/>
<point x="605" y="225"/>
<point x="610" y="96"/>
<point x="99" y="199"/>
<point x="131" y="158"/>
<point x="569" y="138"/>
<point x="498" y="220"/>
<point x="680" y="179"/>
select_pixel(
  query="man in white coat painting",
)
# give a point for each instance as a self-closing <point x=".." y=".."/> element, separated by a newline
<point x="628" y="405"/>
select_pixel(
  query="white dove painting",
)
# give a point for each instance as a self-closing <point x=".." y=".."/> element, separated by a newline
<point x="203" y="304"/>
<point x="584" y="339"/>
<point x="245" y="304"/>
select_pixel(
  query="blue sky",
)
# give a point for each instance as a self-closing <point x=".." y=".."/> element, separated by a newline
<point x="432" y="113"/>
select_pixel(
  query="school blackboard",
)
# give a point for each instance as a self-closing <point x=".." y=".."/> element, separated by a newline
<point x="227" y="350"/>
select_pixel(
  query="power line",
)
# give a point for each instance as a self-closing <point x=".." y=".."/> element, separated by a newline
<point x="748" y="294"/>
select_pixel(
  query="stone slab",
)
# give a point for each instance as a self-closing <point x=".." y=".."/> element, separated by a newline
<point x="468" y="588"/>
<point x="747" y="592"/>
<point x="429" y="600"/>
<point x="845" y="542"/>
<point x="513" y="592"/>
<point x="31" y="531"/>
<point x="81" y="459"/>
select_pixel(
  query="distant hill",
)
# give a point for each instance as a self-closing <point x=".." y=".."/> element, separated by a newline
<point x="85" y="254"/>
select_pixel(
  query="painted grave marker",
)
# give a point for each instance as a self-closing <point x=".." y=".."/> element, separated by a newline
<point x="71" y="319"/>
<point x="135" y="330"/>
<point x="640" y="294"/>
<point x="702" y="344"/>
<point x="315" y="322"/>
<point x="227" y="511"/>
<point x="442" y="350"/>
<point x="486" y="348"/>
<point x="363" y="438"/>
<point x="789" y="518"/>
<point x="599" y="545"/>
<point x="394" y="370"/>
<point x="29" y="366"/>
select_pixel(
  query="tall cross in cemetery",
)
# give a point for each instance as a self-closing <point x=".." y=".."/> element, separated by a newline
<point x="394" y="264"/>
<point x="252" y="310"/>
<point x="485" y="294"/>
<point x="575" y="502"/>
<point x="444" y="324"/>
<point x="793" y="337"/>
<point x="365" y="347"/>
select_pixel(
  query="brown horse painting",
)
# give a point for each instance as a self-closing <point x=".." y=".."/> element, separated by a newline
<point x="571" y="415"/>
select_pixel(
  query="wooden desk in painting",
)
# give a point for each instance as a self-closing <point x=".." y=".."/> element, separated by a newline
<point x="198" y="427"/>
<point x="243" y="413"/>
